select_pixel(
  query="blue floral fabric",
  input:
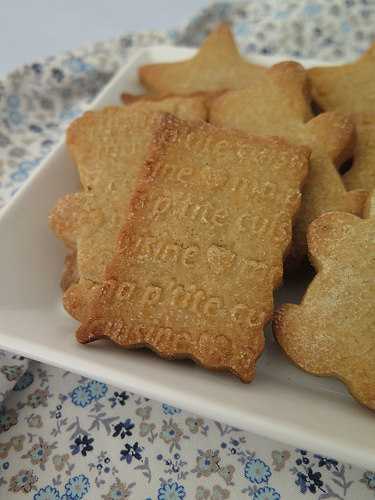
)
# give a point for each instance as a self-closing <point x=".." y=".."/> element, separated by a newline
<point x="66" y="437"/>
<point x="63" y="437"/>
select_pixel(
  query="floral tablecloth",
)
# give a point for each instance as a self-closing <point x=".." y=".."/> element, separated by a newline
<point x="63" y="437"/>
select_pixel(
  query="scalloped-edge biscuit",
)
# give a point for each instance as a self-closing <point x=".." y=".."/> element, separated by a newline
<point x="188" y="108"/>
<point x="218" y="65"/>
<point x="362" y="173"/>
<point x="201" y="252"/>
<point x="332" y="331"/>
<point x="348" y="87"/>
<point x="280" y="106"/>
<point x="109" y="147"/>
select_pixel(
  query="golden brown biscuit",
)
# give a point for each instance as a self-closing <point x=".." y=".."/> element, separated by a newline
<point x="193" y="108"/>
<point x="109" y="147"/>
<point x="279" y="105"/>
<point x="206" y="96"/>
<point x="187" y="108"/>
<point x="70" y="274"/>
<point x="218" y="65"/>
<point x="348" y="88"/>
<point x="201" y="252"/>
<point x="332" y="332"/>
<point x="362" y="173"/>
<point x="78" y="296"/>
<point x="98" y="137"/>
<point x="64" y="219"/>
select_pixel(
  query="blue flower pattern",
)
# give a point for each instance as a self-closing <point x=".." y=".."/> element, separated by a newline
<point x="82" y="444"/>
<point x="123" y="429"/>
<point x="171" y="491"/>
<point x="25" y="381"/>
<point x="170" y="410"/>
<point x="77" y="487"/>
<point x="98" y="451"/>
<point x="47" y="493"/>
<point x="256" y="471"/>
<point x="371" y="480"/>
<point x="130" y="452"/>
<point x="266" y="493"/>
<point x="98" y="389"/>
<point x="83" y="395"/>
<point x="105" y="442"/>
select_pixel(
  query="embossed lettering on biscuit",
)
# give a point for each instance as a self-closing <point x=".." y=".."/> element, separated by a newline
<point x="280" y="106"/>
<point x="109" y="147"/>
<point x="220" y="259"/>
<point x="188" y="282"/>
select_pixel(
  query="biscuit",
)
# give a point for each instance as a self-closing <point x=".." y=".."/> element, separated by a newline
<point x="98" y="138"/>
<point x="218" y="65"/>
<point x="362" y="173"/>
<point x="187" y="108"/>
<point x="279" y="105"/>
<point x="206" y="97"/>
<point x="109" y="147"/>
<point x="348" y="88"/>
<point x="332" y="331"/>
<point x="202" y="249"/>
<point x="70" y="274"/>
<point x="64" y="219"/>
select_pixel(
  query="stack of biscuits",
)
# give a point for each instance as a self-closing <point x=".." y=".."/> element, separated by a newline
<point x="196" y="195"/>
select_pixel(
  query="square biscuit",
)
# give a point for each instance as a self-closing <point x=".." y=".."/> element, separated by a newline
<point x="201" y="252"/>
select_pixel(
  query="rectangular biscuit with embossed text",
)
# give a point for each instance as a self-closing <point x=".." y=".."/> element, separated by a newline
<point x="201" y="252"/>
<point x="109" y="147"/>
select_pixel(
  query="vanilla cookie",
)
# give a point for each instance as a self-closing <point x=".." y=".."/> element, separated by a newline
<point x="202" y="249"/>
<point x="362" y="172"/>
<point x="348" y="87"/>
<point x="332" y="331"/>
<point x="218" y="65"/>
<point x="280" y="106"/>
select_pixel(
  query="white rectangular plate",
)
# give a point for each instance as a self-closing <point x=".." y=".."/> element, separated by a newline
<point x="282" y="403"/>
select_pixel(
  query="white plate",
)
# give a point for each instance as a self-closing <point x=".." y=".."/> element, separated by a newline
<point x="282" y="403"/>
